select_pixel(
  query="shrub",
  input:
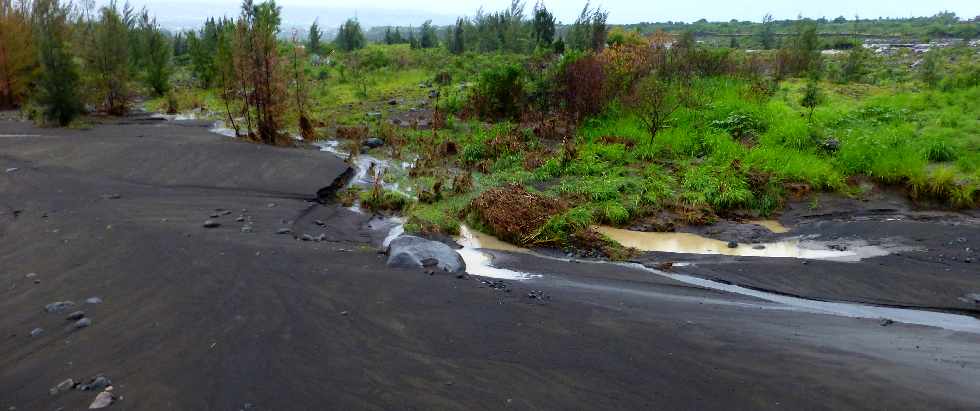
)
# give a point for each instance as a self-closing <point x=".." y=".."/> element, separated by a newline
<point x="500" y="92"/>
<point x="514" y="214"/>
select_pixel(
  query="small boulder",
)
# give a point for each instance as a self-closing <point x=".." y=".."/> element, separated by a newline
<point x="414" y="252"/>
<point x="374" y="142"/>
<point x="75" y="316"/>
<point x="211" y="224"/>
<point x="733" y="244"/>
<point x="104" y="399"/>
<point x="58" y="306"/>
<point x="62" y="387"/>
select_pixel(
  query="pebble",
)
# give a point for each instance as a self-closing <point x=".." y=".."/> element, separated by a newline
<point x="101" y="401"/>
<point x="58" y="306"/>
<point x="240" y="219"/>
<point x="62" y="387"/>
<point x="211" y="224"/>
<point x="82" y="323"/>
<point x="284" y="231"/>
<point x="732" y="244"/>
<point x="37" y="331"/>
<point x="318" y="222"/>
<point x="93" y="300"/>
<point x="307" y="237"/>
<point x="75" y="316"/>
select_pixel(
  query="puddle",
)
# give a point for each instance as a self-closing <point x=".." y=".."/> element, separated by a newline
<point x="469" y="238"/>
<point x="220" y="128"/>
<point x="481" y="264"/>
<point x="771" y="225"/>
<point x="687" y="243"/>
<point x="953" y="322"/>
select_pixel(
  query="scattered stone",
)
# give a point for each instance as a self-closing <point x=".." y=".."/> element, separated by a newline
<point x="211" y="224"/>
<point x="226" y="212"/>
<point x="93" y="300"/>
<point x="37" y="331"/>
<point x="837" y="247"/>
<point x="344" y="313"/>
<point x="246" y="229"/>
<point x="82" y="323"/>
<point x="496" y="284"/>
<point x="307" y="237"/>
<point x="215" y="215"/>
<point x="75" y="316"/>
<point x="104" y="399"/>
<point x="58" y="306"/>
<point x="319" y="223"/>
<point x="733" y="244"/>
<point x="886" y="322"/>
<point x="831" y="145"/>
<point x="374" y="142"/>
<point x="412" y="252"/>
<point x="100" y="382"/>
<point x="30" y="275"/>
<point x="321" y="237"/>
<point x="12" y="169"/>
<point x="284" y="231"/>
<point x="240" y="219"/>
<point x="62" y="387"/>
<point x="758" y="247"/>
<point x="968" y="260"/>
<point x="111" y="196"/>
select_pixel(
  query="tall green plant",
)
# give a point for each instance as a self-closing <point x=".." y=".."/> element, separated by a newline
<point x="59" y="81"/>
<point x="350" y="37"/>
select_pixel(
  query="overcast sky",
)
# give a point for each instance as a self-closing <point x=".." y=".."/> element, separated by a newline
<point x="413" y="12"/>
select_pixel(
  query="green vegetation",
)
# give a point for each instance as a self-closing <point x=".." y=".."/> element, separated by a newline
<point x="535" y="131"/>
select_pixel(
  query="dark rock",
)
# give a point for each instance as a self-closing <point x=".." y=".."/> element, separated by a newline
<point x="374" y="142"/>
<point x="319" y="223"/>
<point x="831" y="145"/>
<point x="211" y="224"/>
<point x="411" y="252"/>
<point x="75" y="316"/>
<point x="37" y="331"/>
<point x="58" y="306"/>
<point x="393" y="102"/>
<point x="733" y="244"/>
<point x="240" y="219"/>
<point x="886" y="322"/>
<point x="758" y="247"/>
<point x="100" y="382"/>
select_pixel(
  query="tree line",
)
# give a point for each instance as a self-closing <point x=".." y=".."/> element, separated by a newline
<point x="58" y="58"/>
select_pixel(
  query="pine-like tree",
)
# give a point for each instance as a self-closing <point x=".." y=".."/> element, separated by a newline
<point x="543" y="25"/>
<point x="58" y="82"/>
<point x="350" y="37"/>
<point x="314" y="39"/>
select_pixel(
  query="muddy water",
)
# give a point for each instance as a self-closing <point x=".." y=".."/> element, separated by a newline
<point x="771" y="225"/>
<point x="694" y="244"/>
<point x="481" y="263"/>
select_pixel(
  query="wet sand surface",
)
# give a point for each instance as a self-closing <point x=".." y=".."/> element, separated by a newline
<point x="226" y="319"/>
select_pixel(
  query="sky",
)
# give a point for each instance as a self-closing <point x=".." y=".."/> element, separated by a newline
<point x="414" y="12"/>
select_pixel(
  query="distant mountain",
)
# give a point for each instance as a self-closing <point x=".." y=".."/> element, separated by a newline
<point x="182" y="16"/>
